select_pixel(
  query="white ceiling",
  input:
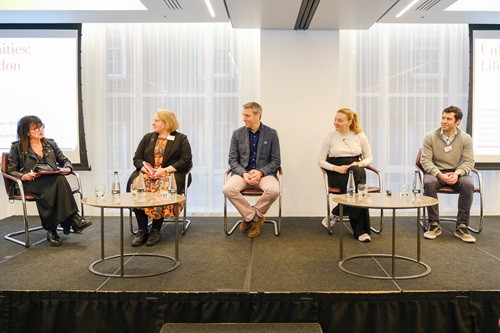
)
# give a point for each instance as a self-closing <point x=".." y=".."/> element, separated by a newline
<point x="253" y="14"/>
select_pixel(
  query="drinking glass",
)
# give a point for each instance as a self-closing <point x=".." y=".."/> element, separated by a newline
<point x="100" y="191"/>
<point x="133" y="188"/>
<point x="172" y="185"/>
<point x="362" y="191"/>
<point x="403" y="190"/>
<point x="163" y="182"/>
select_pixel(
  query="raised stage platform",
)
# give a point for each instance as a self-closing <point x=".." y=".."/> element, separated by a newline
<point x="293" y="278"/>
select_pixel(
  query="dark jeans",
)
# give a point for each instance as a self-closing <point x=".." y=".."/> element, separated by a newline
<point x="464" y="186"/>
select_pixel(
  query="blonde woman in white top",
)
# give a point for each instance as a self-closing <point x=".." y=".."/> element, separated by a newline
<point x="346" y="149"/>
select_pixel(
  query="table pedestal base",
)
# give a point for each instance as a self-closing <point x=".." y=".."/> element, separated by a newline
<point x="119" y="274"/>
<point x="386" y="277"/>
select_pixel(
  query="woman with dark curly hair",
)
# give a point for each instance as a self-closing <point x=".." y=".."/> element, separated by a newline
<point x="29" y="157"/>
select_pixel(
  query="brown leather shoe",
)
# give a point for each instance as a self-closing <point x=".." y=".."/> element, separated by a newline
<point x="244" y="225"/>
<point x="256" y="227"/>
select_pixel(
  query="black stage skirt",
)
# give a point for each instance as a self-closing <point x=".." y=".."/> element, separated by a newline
<point x="54" y="199"/>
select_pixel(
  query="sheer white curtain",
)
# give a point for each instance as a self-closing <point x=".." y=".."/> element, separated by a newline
<point x="202" y="72"/>
<point x="399" y="78"/>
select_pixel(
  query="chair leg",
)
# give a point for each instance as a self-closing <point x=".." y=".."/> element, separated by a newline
<point x="81" y="204"/>
<point x="328" y="212"/>
<point x="423" y="221"/>
<point x="233" y="228"/>
<point x="130" y="218"/>
<point x="26" y="243"/>
<point x="26" y="232"/>
<point x="131" y="222"/>
<point x="381" y="226"/>
<point x="225" y="220"/>
<point x="480" y="227"/>
<point x="277" y="225"/>
<point x="185" y="222"/>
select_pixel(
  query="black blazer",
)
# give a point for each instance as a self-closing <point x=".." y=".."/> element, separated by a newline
<point x="177" y="154"/>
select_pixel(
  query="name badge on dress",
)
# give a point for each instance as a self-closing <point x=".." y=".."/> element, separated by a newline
<point x="448" y="149"/>
<point x="171" y="137"/>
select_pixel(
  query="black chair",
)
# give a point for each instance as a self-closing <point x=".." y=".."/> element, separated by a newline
<point x="478" y="189"/>
<point x="372" y="188"/>
<point x="255" y="192"/>
<point x="185" y="222"/>
<point x="15" y="191"/>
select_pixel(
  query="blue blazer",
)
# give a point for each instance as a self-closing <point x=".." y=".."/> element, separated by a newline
<point x="268" y="151"/>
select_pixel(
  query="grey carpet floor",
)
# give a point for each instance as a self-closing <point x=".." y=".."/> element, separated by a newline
<point x="304" y="258"/>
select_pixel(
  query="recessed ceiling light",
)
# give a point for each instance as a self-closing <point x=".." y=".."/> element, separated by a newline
<point x="210" y="9"/>
<point x="475" y="6"/>
<point x="407" y="7"/>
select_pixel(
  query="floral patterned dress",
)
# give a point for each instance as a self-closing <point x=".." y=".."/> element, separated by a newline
<point x="153" y="185"/>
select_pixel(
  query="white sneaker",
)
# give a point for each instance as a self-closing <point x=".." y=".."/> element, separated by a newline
<point x="333" y="219"/>
<point x="463" y="233"/>
<point x="364" y="238"/>
<point x="433" y="231"/>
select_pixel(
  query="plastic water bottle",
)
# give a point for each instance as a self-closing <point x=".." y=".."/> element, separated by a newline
<point x="115" y="186"/>
<point x="172" y="185"/>
<point x="140" y="186"/>
<point x="351" y="186"/>
<point x="417" y="186"/>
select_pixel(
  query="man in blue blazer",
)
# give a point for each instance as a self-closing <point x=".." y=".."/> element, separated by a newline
<point x="254" y="158"/>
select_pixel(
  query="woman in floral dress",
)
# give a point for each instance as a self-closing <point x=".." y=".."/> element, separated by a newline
<point x="167" y="151"/>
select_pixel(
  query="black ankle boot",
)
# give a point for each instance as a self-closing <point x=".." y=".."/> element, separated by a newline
<point x="140" y="238"/>
<point x="53" y="238"/>
<point x="78" y="223"/>
<point x="154" y="237"/>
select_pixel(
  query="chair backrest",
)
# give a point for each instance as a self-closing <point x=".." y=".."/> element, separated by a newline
<point x="417" y="160"/>
<point x="5" y="164"/>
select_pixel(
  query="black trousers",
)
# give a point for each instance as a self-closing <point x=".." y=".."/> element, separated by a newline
<point x="143" y="220"/>
<point x="358" y="217"/>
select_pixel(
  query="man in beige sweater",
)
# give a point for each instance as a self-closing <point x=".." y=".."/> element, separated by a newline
<point x="447" y="159"/>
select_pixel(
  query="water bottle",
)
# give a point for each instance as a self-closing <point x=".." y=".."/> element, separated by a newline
<point x="140" y="186"/>
<point x="351" y="186"/>
<point x="115" y="186"/>
<point x="172" y="185"/>
<point x="417" y="186"/>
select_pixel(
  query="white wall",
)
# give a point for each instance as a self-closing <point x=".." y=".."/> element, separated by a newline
<point x="299" y="91"/>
